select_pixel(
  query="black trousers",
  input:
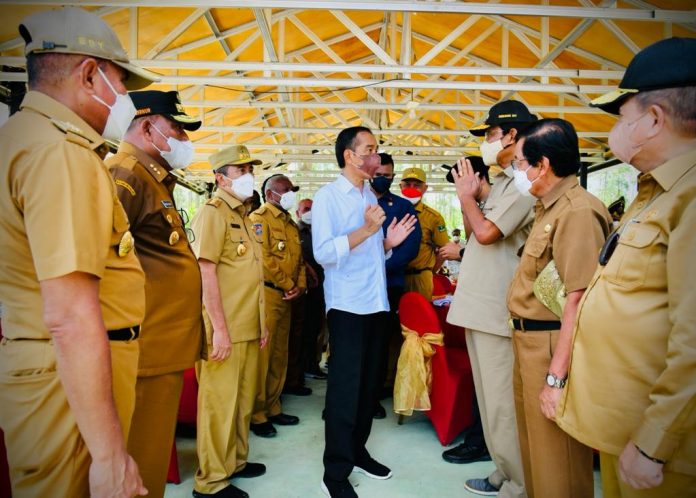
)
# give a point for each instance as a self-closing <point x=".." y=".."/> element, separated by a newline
<point x="354" y="385"/>
<point x="392" y="338"/>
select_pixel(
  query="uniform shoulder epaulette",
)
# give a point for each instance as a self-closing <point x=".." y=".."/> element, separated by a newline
<point x="73" y="133"/>
<point x="215" y="202"/>
<point x="261" y="210"/>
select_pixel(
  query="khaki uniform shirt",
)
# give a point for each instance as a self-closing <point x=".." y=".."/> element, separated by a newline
<point x="434" y="235"/>
<point x="570" y="226"/>
<point x="59" y="214"/>
<point x="224" y="235"/>
<point x="283" y="265"/>
<point x="486" y="270"/>
<point x="633" y="364"/>
<point x="170" y="336"/>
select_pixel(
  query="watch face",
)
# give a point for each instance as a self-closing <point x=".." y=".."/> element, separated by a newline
<point x="550" y="380"/>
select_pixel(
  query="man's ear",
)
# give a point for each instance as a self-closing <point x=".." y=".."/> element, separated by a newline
<point x="544" y="166"/>
<point x="512" y="134"/>
<point x="87" y="72"/>
<point x="346" y="156"/>
<point x="658" y="117"/>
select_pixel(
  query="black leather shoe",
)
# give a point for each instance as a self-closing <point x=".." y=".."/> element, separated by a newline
<point x="265" y="429"/>
<point x="298" y="391"/>
<point x="465" y="453"/>
<point x="229" y="492"/>
<point x="284" y="419"/>
<point x="338" y="489"/>
<point x="251" y="469"/>
<point x="380" y="412"/>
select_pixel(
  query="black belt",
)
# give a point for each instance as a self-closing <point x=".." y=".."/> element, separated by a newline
<point x="526" y="325"/>
<point x="273" y="286"/>
<point x="416" y="271"/>
<point x="127" y="334"/>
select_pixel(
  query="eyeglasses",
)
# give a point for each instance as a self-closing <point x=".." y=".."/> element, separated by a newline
<point x="516" y="164"/>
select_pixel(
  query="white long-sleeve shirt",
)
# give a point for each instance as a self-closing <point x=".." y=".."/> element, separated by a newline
<point x="355" y="280"/>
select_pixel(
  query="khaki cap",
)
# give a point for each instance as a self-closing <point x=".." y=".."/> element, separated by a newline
<point x="235" y="155"/>
<point x="75" y="31"/>
<point x="413" y="174"/>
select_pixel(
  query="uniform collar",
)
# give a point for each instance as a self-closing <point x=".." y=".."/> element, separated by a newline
<point x="275" y="210"/>
<point x="344" y="185"/>
<point x="48" y="106"/>
<point x="667" y="174"/>
<point x="558" y="190"/>
<point x="229" y="199"/>
<point x="157" y="171"/>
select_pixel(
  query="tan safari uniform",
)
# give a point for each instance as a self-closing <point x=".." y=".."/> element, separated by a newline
<point x="570" y="226"/>
<point x="419" y="273"/>
<point x="224" y="235"/>
<point x="170" y="336"/>
<point x="58" y="214"/>
<point x="283" y="269"/>
<point x="633" y="359"/>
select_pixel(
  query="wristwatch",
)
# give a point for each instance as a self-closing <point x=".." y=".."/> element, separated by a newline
<point x="553" y="381"/>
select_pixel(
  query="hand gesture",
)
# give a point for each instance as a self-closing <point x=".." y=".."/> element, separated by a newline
<point x="449" y="252"/>
<point x="221" y="345"/>
<point x="115" y="477"/>
<point x="397" y="232"/>
<point x="638" y="471"/>
<point x="466" y="181"/>
<point x="293" y="293"/>
<point x="374" y="217"/>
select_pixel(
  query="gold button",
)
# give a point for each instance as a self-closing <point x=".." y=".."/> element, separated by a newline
<point x="241" y="250"/>
<point x="126" y="244"/>
<point x="169" y="219"/>
<point x="281" y="246"/>
<point x="547" y="228"/>
<point x="173" y="238"/>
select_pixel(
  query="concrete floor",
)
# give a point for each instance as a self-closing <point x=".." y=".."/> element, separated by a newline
<point x="294" y="467"/>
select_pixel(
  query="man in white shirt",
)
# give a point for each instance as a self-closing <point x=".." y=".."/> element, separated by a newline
<point x="348" y="242"/>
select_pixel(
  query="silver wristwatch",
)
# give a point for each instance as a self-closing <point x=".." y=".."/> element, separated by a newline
<point x="553" y="381"/>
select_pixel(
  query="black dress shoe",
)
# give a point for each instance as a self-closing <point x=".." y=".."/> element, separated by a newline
<point x="380" y="412"/>
<point x="298" y="391"/>
<point x="316" y="374"/>
<point x="465" y="453"/>
<point x="265" y="429"/>
<point x="228" y="492"/>
<point x="338" y="489"/>
<point x="251" y="469"/>
<point x="284" y="419"/>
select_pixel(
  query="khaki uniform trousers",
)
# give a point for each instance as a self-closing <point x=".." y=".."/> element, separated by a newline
<point x="226" y="392"/>
<point x="422" y="283"/>
<point x="273" y="359"/>
<point x="674" y="485"/>
<point x="46" y="454"/>
<point x="491" y="364"/>
<point x="555" y="464"/>
<point x="153" y="426"/>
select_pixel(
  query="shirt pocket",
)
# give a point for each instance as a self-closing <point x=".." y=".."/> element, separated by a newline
<point x="239" y="243"/>
<point x="173" y="228"/>
<point x="533" y="252"/>
<point x="278" y="244"/>
<point x="628" y="266"/>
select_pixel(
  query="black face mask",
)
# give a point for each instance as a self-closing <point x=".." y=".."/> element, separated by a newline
<point x="381" y="184"/>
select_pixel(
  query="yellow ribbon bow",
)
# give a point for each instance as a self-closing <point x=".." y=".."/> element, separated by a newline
<point x="414" y="371"/>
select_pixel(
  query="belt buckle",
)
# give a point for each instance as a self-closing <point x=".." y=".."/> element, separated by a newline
<point x="132" y="333"/>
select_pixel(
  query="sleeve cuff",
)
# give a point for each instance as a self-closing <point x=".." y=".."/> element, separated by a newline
<point x="654" y="441"/>
<point x="389" y="254"/>
<point x="342" y="249"/>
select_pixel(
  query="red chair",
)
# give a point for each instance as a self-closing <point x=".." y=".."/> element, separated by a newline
<point x="451" y="398"/>
<point x="188" y="409"/>
<point x="441" y="286"/>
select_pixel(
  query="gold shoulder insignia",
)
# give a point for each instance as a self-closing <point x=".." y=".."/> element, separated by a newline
<point x="126" y="185"/>
<point x="66" y="127"/>
<point x="215" y="202"/>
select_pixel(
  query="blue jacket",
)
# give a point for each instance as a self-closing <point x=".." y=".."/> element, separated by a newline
<point x="398" y="207"/>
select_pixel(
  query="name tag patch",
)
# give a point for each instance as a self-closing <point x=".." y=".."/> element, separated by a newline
<point x="258" y="228"/>
<point x="167" y="204"/>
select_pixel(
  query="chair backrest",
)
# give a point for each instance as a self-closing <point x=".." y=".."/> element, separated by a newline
<point x="418" y="314"/>
<point x="441" y="286"/>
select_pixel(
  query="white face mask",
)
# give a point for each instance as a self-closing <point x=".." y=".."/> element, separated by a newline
<point x="620" y="141"/>
<point x="413" y="200"/>
<point x="306" y="218"/>
<point x="456" y="238"/>
<point x="489" y="151"/>
<point x="287" y="200"/>
<point x="242" y="187"/>
<point x="522" y="182"/>
<point x="121" y="112"/>
<point x="180" y="152"/>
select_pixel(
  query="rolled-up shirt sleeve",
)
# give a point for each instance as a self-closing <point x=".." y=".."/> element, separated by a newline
<point x="330" y="247"/>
